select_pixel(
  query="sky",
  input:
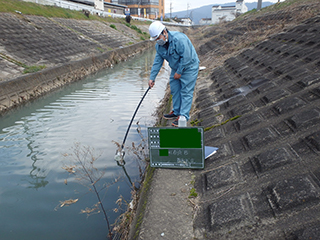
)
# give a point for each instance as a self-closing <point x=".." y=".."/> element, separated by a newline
<point x="181" y="5"/>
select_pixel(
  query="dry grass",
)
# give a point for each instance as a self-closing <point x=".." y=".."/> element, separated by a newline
<point x="123" y="223"/>
<point x="82" y="167"/>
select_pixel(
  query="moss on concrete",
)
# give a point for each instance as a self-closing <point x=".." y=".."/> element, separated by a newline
<point x="143" y="200"/>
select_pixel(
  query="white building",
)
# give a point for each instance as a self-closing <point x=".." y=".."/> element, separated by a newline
<point x="183" y="21"/>
<point x="186" y="21"/>
<point x="99" y="4"/>
<point x="228" y="13"/>
<point x="205" y="21"/>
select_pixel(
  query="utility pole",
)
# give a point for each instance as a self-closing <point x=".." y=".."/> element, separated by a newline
<point x="139" y="10"/>
<point x="259" y="5"/>
<point x="188" y="5"/>
<point x="170" y="10"/>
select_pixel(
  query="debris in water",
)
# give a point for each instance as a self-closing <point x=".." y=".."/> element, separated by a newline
<point x="69" y="169"/>
<point x="66" y="203"/>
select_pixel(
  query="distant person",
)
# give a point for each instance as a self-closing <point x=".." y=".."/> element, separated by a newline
<point x="86" y="13"/>
<point x="177" y="49"/>
<point x="128" y="18"/>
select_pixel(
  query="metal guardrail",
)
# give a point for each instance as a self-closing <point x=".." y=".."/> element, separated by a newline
<point x="80" y="7"/>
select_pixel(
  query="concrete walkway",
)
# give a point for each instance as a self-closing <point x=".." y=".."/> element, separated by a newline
<point x="169" y="211"/>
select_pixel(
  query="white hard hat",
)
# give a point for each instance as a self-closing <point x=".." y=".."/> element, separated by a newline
<point x="155" y="29"/>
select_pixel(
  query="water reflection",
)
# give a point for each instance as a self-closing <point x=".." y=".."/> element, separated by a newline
<point x="35" y="180"/>
<point x="93" y="112"/>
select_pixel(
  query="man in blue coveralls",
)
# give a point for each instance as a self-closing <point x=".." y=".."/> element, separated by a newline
<point x="177" y="49"/>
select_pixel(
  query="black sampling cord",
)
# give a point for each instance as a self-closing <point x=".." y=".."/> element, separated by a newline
<point x="120" y="154"/>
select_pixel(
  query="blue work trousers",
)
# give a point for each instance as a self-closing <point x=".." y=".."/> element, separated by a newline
<point x="182" y="90"/>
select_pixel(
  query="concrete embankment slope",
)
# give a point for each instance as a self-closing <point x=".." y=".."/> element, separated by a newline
<point x="69" y="50"/>
<point x="37" y="40"/>
<point x="261" y="108"/>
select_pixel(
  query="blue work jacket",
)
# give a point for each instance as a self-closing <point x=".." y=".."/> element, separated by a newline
<point x="180" y="54"/>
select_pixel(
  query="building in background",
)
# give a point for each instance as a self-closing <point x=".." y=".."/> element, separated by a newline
<point x="113" y="7"/>
<point x="99" y="4"/>
<point x="183" y="21"/>
<point x="144" y="8"/>
<point x="205" y="21"/>
<point x="228" y="13"/>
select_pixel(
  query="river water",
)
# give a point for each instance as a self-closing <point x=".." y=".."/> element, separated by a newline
<point x="39" y="139"/>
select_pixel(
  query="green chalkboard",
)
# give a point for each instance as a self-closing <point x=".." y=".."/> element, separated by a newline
<point x="176" y="147"/>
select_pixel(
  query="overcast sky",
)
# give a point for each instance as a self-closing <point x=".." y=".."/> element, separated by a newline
<point x="181" y="5"/>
